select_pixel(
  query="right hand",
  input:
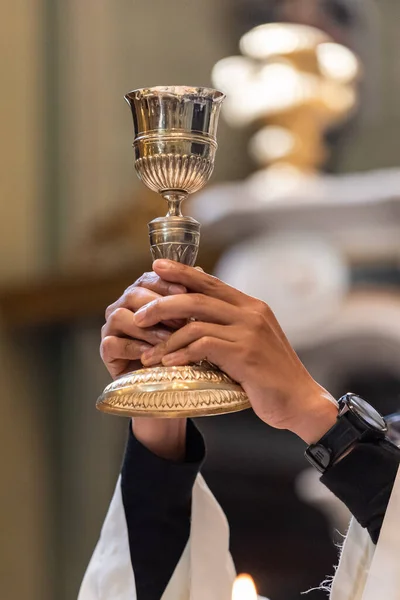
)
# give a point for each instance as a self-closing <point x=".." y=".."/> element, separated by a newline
<point x="122" y="341"/>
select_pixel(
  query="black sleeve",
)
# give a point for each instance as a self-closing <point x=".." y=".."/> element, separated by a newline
<point x="364" y="480"/>
<point x="157" y="496"/>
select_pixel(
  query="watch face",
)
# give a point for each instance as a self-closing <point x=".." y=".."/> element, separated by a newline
<point x="366" y="412"/>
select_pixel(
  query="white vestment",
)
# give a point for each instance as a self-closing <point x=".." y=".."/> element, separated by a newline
<point x="206" y="572"/>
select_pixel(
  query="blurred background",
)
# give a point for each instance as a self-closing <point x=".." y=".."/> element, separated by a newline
<point x="303" y="211"/>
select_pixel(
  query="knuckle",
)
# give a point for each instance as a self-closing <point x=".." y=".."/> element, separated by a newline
<point x="129" y="346"/>
<point x="130" y="290"/>
<point x="109" y="310"/>
<point x="211" y="282"/>
<point x="117" y="316"/>
<point x="267" y="311"/>
<point x="249" y="352"/>
<point x="199" y="300"/>
<point x="205" y="343"/>
<point x="131" y="294"/>
<point x="262" y="308"/>
<point x="146" y="278"/>
<point x="153" y="308"/>
<point x="107" y="348"/>
<point x="257" y="320"/>
<point x="195" y="328"/>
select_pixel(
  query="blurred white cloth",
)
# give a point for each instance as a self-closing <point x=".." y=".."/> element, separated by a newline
<point x="206" y="572"/>
<point x="301" y="276"/>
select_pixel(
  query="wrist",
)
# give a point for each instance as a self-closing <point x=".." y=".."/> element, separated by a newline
<point x="164" y="437"/>
<point x="318" y="416"/>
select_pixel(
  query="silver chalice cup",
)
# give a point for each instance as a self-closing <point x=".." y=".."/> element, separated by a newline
<point x="175" y="144"/>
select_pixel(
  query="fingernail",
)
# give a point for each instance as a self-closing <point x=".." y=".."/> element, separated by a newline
<point x="145" y="348"/>
<point x="162" y="264"/>
<point x="162" y="334"/>
<point x="140" y="315"/>
<point x="170" y="359"/>
<point x="151" y="357"/>
<point x="147" y="354"/>
<point x="175" y="288"/>
<point x="199" y="269"/>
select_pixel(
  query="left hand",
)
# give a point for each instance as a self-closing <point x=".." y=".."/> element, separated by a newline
<point x="122" y="344"/>
<point x="240" y="335"/>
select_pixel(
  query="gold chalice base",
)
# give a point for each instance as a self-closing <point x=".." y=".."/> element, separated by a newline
<point x="170" y="392"/>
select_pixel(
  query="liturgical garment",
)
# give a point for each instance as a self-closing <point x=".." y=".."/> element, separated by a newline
<point x="205" y="570"/>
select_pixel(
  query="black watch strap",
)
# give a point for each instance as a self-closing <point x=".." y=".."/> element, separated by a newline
<point x="333" y="444"/>
<point x="357" y="421"/>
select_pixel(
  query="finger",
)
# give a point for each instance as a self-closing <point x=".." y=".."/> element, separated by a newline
<point x="133" y="298"/>
<point x="196" y="280"/>
<point x="114" y="348"/>
<point x="153" y="282"/>
<point x="120" y="367"/>
<point x="145" y="289"/>
<point x="186" y="336"/>
<point x="122" y="323"/>
<point x="175" y="323"/>
<point x="121" y="355"/>
<point x="184" y="306"/>
<point x="218" y="352"/>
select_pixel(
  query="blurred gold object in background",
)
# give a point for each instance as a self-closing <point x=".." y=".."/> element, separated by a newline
<point x="293" y="84"/>
<point x="175" y="144"/>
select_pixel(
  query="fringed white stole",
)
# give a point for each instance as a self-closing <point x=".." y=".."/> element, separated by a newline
<point x="368" y="572"/>
<point x="206" y="572"/>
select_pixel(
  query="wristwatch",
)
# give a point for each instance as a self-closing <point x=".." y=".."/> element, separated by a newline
<point x="357" y="421"/>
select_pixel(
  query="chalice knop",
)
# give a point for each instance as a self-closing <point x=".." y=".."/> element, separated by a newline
<point x="174" y="144"/>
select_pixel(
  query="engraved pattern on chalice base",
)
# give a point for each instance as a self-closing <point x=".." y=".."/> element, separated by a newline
<point x="174" y="391"/>
<point x="175" y="145"/>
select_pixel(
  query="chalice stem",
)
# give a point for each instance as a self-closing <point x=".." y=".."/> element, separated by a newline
<point x="174" y="200"/>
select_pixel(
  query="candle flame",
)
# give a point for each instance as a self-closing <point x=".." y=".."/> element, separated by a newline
<point x="244" y="588"/>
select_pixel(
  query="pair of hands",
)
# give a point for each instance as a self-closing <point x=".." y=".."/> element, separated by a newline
<point x="240" y="334"/>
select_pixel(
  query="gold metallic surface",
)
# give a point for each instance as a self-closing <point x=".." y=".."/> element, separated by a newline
<point x="174" y="144"/>
<point x="296" y="83"/>
<point x="191" y="391"/>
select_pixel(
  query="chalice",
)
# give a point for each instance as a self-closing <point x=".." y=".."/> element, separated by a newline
<point x="174" y="147"/>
